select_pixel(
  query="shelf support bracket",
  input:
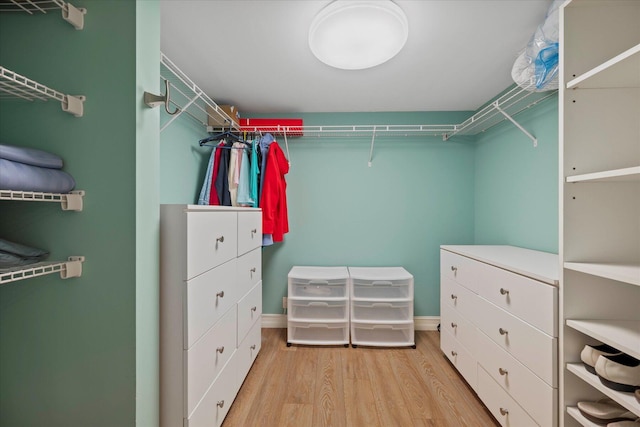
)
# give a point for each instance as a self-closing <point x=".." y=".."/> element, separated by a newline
<point x="373" y="138"/>
<point x="531" y="137"/>
<point x="72" y="268"/>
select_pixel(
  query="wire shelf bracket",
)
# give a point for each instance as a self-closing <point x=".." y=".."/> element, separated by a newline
<point x="14" y="85"/>
<point x="73" y="15"/>
<point x="68" y="201"/>
<point x="67" y="269"/>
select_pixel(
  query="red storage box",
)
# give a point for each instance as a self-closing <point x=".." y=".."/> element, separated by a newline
<point x="293" y="127"/>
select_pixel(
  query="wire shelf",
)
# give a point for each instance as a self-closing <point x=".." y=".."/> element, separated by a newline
<point x="14" y="85"/>
<point x="190" y="99"/>
<point x="67" y="269"/>
<point x="352" y="131"/>
<point x="512" y="102"/>
<point x="69" y="202"/>
<point x="70" y="13"/>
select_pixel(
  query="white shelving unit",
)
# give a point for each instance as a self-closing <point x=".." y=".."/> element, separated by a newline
<point x="599" y="193"/>
<point x="73" y="15"/>
<point x="17" y="86"/>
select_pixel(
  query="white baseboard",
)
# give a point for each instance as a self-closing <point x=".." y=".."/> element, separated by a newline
<point x="421" y="323"/>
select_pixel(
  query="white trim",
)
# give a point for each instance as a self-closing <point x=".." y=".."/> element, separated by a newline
<point x="421" y="323"/>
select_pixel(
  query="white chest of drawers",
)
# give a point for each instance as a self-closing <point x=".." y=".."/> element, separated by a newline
<point x="499" y="328"/>
<point x="210" y="307"/>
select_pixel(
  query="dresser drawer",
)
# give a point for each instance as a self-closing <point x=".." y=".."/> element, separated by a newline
<point x="464" y="362"/>
<point x="249" y="231"/>
<point x="459" y="298"/>
<point x="207" y="357"/>
<point x="211" y="240"/>
<point x="500" y="404"/>
<point x="249" y="270"/>
<point x="532" y="347"/>
<point x="460" y="269"/>
<point x="533" y="394"/>
<point x="248" y="351"/>
<point x="530" y="300"/>
<point x="249" y="310"/>
<point x="216" y="402"/>
<point x="457" y="325"/>
<point x="208" y="297"/>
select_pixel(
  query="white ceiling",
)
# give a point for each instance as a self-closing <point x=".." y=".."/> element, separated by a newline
<point x="254" y="54"/>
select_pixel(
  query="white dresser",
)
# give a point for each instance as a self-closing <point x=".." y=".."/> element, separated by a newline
<point x="499" y="328"/>
<point x="210" y="309"/>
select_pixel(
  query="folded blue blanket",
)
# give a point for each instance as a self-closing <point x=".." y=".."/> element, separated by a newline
<point x="30" y="156"/>
<point x="21" y="177"/>
<point x="14" y="254"/>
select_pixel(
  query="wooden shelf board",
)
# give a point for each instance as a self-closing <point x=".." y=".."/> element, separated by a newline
<point x="622" y="70"/>
<point x="626" y="174"/>
<point x="627" y="273"/>
<point x="621" y="334"/>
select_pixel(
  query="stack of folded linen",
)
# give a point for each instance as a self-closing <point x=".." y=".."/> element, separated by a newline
<point x="29" y="169"/>
<point x="15" y="255"/>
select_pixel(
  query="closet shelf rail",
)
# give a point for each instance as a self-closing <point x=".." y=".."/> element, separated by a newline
<point x="190" y="99"/>
<point x="509" y="104"/>
<point x="69" y="201"/>
<point x="67" y="269"/>
<point x="14" y="85"/>
<point x="73" y="15"/>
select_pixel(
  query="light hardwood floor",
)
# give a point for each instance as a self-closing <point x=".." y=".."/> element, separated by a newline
<point x="315" y="386"/>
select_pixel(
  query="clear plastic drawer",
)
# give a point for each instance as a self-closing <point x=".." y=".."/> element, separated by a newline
<point x="381" y="311"/>
<point x="320" y="333"/>
<point x="381" y="283"/>
<point x="382" y="335"/>
<point x="318" y="310"/>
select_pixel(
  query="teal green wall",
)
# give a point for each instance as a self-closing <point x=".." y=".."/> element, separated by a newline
<point x="417" y="195"/>
<point x="147" y="216"/>
<point x="420" y="193"/>
<point x="69" y="348"/>
<point x="516" y="185"/>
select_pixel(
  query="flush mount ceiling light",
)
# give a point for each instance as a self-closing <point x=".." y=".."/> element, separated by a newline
<point x="354" y="35"/>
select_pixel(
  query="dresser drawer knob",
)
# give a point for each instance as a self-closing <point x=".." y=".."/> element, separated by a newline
<point x="253" y="270"/>
<point x="220" y="239"/>
<point x="454" y="353"/>
<point x="503" y="331"/>
<point x="253" y="347"/>
<point x="454" y="297"/>
<point x="220" y="349"/>
<point x="454" y="325"/>
<point x="454" y="269"/>
<point x="503" y="371"/>
<point x="220" y="403"/>
<point x="220" y="294"/>
<point x="504" y="291"/>
<point x="254" y="308"/>
<point x="254" y="231"/>
<point x="504" y="411"/>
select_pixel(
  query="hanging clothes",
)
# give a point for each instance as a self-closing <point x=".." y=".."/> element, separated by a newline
<point x="205" y="191"/>
<point x="254" y="173"/>
<point x="222" y="179"/>
<point x="213" y="193"/>
<point x="273" y="198"/>
<point x="265" y="142"/>
<point x="244" y="192"/>
<point x="233" y="173"/>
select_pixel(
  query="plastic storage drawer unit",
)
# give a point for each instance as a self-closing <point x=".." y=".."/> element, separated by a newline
<point x="318" y="306"/>
<point x="381" y="307"/>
